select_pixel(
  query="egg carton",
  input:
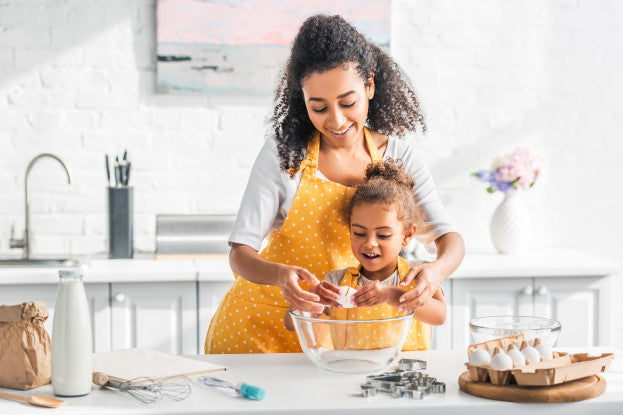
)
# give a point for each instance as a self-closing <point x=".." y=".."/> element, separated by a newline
<point x="562" y="368"/>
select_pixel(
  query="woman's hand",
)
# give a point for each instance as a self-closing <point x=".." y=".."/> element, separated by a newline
<point x="427" y="279"/>
<point x="372" y="294"/>
<point x="288" y="278"/>
<point x="328" y="293"/>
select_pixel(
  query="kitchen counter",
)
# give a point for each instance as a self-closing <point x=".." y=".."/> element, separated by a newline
<point x="144" y="268"/>
<point x="295" y="386"/>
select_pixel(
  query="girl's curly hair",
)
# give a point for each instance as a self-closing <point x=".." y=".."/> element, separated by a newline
<point x="324" y="43"/>
<point x="388" y="183"/>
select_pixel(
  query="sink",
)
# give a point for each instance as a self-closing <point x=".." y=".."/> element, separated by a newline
<point x="30" y="262"/>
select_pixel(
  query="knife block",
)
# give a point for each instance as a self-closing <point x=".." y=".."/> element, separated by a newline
<point x="120" y="224"/>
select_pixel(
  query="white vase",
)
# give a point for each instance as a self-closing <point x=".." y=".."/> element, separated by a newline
<point x="511" y="224"/>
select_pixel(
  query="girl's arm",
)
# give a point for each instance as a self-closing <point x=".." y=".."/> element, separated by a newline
<point x="432" y="312"/>
<point x="428" y="276"/>
<point x="246" y="262"/>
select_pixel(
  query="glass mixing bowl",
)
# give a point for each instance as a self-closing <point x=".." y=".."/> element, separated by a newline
<point x="493" y="327"/>
<point x="351" y="346"/>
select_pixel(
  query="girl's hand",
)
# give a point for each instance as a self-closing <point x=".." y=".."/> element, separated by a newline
<point x="371" y="294"/>
<point x="328" y="293"/>
<point x="288" y="278"/>
<point x="427" y="279"/>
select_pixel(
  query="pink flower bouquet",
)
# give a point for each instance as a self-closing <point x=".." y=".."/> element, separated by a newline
<point x="518" y="170"/>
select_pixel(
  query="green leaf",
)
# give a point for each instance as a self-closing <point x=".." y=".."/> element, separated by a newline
<point x="490" y="189"/>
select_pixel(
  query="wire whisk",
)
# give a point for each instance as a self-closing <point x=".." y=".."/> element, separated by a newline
<point x="148" y="390"/>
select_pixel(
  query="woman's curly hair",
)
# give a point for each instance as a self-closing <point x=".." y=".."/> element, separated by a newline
<point x="388" y="183"/>
<point x="325" y="43"/>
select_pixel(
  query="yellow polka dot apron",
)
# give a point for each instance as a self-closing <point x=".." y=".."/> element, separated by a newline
<point x="362" y="336"/>
<point x="314" y="236"/>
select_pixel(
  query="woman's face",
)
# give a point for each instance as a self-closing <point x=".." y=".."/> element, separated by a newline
<point x="337" y="104"/>
<point x="376" y="238"/>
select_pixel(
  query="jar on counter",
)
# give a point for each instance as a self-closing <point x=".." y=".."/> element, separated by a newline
<point x="71" y="337"/>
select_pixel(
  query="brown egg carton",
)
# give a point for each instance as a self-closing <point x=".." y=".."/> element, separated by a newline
<point x="562" y="368"/>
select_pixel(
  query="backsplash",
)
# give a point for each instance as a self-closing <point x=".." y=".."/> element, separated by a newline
<point x="77" y="79"/>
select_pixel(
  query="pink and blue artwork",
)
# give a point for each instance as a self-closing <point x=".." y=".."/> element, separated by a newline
<point x="238" y="47"/>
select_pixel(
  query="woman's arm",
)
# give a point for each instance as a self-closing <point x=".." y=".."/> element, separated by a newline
<point x="246" y="262"/>
<point x="428" y="276"/>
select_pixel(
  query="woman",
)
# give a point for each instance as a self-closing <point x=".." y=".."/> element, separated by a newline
<point x="335" y="84"/>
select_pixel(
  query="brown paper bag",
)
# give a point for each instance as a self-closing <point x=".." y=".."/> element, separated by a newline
<point x="25" y="349"/>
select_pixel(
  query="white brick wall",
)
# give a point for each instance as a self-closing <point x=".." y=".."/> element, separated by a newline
<point x="77" y="79"/>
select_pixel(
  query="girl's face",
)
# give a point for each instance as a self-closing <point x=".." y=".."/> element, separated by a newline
<point x="337" y="104"/>
<point x="376" y="238"/>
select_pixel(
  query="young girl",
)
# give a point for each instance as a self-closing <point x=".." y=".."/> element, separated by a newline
<point x="341" y="104"/>
<point x="382" y="215"/>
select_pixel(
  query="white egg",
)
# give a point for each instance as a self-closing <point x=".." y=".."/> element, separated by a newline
<point x="479" y="357"/>
<point x="516" y="356"/>
<point x="530" y="353"/>
<point x="544" y="351"/>
<point x="501" y="361"/>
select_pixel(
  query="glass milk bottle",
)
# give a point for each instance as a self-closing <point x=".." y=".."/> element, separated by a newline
<point x="71" y="337"/>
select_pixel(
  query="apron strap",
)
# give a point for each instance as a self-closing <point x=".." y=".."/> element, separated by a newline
<point x="372" y="148"/>
<point x="311" y="158"/>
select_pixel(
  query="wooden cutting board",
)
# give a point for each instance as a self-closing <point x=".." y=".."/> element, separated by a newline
<point x="576" y="390"/>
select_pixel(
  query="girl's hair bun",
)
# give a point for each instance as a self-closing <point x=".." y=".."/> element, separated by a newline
<point x="392" y="170"/>
<point x="387" y="182"/>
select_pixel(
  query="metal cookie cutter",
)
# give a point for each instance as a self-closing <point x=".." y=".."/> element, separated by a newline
<point x="412" y="364"/>
<point x="408" y="393"/>
<point x="386" y="383"/>
<point x="368" y="391"/>
<point x="438" y="387"/>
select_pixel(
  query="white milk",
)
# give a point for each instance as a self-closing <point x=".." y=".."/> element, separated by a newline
<point x="71" y="337"/>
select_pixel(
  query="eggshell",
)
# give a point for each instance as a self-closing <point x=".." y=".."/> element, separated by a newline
<point x="545" y="352"/>
<point x="530" y="353"/>
<point x="501" y="361"/>
<point x="479" y="357"/>
<point x="346" y="297"/>
<point x="516" y="355"/>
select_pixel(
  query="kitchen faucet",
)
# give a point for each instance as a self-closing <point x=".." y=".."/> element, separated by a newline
<point x="24" y="243"/>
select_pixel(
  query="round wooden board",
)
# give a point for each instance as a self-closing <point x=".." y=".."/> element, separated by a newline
<point x="576" y="390"/>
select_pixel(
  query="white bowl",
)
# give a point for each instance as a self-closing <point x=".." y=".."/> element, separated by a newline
<point x="483" y="329"/>
<point x="351" y="346"/>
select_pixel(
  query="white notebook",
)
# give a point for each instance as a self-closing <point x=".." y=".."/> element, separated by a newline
<point x="129" y="364"/>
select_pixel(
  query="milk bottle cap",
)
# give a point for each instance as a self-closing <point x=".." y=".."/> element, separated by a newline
<point x="71" y="272"/>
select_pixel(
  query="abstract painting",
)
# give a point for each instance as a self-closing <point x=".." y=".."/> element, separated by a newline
<point x="238" y="47"/>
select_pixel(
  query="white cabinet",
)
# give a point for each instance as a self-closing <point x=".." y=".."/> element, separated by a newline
<point x="156" y="315"/>
<point x="571" y="287"/>
<point x="210" y="295"/>
<point x="478" y="297"/>
<point x="215" y="278"/>
<point x="579" y="304"/>
<point x="97" y="297"/>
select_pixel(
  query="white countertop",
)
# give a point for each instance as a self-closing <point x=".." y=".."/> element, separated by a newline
<point x="552" y="263"/>
<point x="295" y="386"/>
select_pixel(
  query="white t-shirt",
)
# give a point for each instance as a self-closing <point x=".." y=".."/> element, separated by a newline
<point x="336" y="276"/>
<point x="270" y="192"/>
